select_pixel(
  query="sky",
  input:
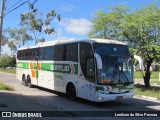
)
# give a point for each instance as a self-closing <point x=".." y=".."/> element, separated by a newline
<point x="76" y="15"/>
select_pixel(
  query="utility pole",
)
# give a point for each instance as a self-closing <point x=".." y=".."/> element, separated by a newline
<point x="1" y="22"/>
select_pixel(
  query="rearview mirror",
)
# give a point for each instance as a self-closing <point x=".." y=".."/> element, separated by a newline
<point x="140" y="60"/>
<point x="98" y="60"/>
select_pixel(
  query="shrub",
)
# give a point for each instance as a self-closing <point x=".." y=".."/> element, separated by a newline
<point x="7" y="61"/>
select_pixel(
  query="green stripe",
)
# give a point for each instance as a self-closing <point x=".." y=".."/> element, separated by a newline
<point x="122" y="87"/>
<point x="99" y="88"/>
<point x="23" y="65"/>
<point x="61" y="68"/>
<point x="36" y="74"/>
<point x="35" y="66"/>
<point x="131" y="86"/>
<point x="76" y="68"/>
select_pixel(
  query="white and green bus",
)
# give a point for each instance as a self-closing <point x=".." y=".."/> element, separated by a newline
<point x="94" y="69"/>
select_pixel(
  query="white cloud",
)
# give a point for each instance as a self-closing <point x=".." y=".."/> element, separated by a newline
<point x="77" y="26"/>
<point x="67" y="7"/>
<point x="59" y="35"/>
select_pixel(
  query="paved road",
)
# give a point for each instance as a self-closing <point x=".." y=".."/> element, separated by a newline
<point x="39" y="99"/>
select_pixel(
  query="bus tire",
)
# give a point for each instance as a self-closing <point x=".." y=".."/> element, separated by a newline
<point x="71" y="91"/>
<point x="29" y="82"/>
<point x="24" y="82"/>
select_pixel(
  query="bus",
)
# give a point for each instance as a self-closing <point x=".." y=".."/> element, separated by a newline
<point x="94" y="69"/>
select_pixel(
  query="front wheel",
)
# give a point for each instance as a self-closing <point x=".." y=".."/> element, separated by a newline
<point x="71" y="91"/>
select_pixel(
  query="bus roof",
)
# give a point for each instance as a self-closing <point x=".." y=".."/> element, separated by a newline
<point x="89" y="40"/>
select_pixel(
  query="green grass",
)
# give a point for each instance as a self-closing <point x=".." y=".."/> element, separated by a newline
<point x="142" y="90"/>
<point x="6" y="87"/>
<point x="155" y="82"/>
<point x="138" y="75"/>
<point x="13" y="71"/>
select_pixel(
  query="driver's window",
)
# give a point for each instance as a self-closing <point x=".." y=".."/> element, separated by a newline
<point x="85" y="52"/>
<point x="87" y="65"/>
<point x="90" y="67"/>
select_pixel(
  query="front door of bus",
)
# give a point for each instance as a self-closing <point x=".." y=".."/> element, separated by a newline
<point x="90" y="78"/>
<point x="84" y="52"/>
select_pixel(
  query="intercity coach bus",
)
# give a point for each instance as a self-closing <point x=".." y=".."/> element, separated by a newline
<point x="94" y="69"/>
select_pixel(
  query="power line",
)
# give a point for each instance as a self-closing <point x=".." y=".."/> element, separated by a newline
<point x="16" y="7"/>
<point x="2" y="15"/>
<point x="20" y="6"/>
<point x="13" y="5"/>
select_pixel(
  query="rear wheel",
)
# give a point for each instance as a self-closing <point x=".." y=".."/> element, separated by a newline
<point x="71" y="91"/>
<point x="29" y="82"/>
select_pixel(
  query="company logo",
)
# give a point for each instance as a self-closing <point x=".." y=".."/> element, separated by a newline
<point x="6" y="114"/>
<point x="63" y="68"/>
<point x="19" y="65"/>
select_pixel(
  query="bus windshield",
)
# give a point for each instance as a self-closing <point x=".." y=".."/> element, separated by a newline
<point x="117" y="67"/>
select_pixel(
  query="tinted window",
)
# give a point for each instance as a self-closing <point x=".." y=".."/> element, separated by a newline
<point x="41" y="53"/>
<point x="72" y="52"/>
<point x="30" y="54"/>
<point x="49" y="53"/>
<point x="58" y="52"/>
<point x="85" y="51"/>
<point x="111" y="49"/>
<point x="25" y="54"/>
<point x="35" y="54"/>
<point x="46" y="53"/>
<point x="19" y="54"/>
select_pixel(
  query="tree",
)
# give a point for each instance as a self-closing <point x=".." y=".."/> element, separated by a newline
<point x="4" y="40"/>
<point x="18" y="38"/>
<point x="31" y="27"/>
<point x="140" y="28"/>
<point x="33" y="22"/>
<point x="7" y="61"/>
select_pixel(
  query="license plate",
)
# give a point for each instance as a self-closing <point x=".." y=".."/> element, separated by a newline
<point x="119" y="97"/>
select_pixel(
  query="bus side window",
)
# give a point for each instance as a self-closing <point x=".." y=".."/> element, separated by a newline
<point x="59" y="52"/>
<point x="30" y="54"/>
<point x="19" y="55"/>
<point x="35" y="54"/>
<point x="85" y="52"/>
<point x="25" y="55"/>
<point x="41" y="53"/>
<point x="49" y="53"/>
<point x="72" y="52"/>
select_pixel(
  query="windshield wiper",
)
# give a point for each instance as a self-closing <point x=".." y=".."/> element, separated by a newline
<point x="125" y="76"/>
<point x="120" y="73"/>
<point x="113" y="76"/>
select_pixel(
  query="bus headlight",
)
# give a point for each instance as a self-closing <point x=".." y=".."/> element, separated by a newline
<point x="100" y="98"/>
<point x="107" y="88"/>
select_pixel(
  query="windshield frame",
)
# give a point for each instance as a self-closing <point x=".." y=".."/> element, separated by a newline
<point x="116" y="56"/>
<point x="118" y="73"/>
